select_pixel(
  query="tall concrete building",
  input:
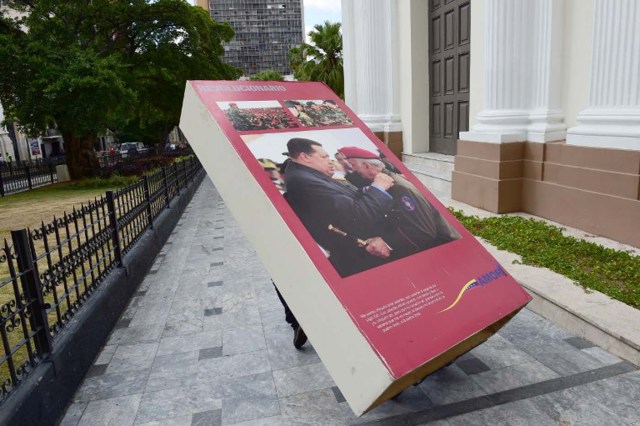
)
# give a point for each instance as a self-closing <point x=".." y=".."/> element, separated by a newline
<point x="266" y="30"/>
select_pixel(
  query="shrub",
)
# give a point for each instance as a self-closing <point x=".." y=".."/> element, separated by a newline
<point x="114" y="181"/>
<point x="136" y="166"/>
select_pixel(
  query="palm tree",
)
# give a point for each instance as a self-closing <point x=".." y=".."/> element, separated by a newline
<point x="268" y="75"/>
<point x="320" y="60"/>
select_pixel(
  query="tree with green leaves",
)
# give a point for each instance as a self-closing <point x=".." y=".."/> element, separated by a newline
<point x="268" y="75"/>
<point x="85" y="66"/>
<point x="320" y="60"/>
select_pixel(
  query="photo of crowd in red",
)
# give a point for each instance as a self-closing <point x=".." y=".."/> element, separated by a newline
<point x="257" y="115"/>
<point x="318" y="113"/>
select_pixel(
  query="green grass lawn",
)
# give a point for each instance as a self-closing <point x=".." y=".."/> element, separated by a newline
<point x="612" y="272"/>
<point x="30" y="208"/>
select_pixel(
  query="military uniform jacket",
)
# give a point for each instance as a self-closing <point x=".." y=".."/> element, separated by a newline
<point x="413" y="224"/>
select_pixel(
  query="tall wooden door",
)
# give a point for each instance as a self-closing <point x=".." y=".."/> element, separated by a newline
<point x="449" y="42"/>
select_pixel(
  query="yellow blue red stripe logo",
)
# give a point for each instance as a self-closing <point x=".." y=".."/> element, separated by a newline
<point x="482" y="280"/>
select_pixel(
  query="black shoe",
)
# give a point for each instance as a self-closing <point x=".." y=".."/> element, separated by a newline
<point x="299" y="338"/>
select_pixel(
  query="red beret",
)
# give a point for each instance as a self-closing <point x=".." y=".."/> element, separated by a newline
<point x="357" y="152"/>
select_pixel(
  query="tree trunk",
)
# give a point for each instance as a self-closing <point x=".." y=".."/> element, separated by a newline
<point x="164" y="134"/>
<point x="81" y="158"/>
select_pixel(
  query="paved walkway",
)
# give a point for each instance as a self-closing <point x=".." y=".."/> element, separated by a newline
<point x="204" y="342"/>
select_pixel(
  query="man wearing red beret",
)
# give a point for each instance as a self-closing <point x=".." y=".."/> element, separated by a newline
<point x="414" y="224"/>
<point x="357" y="152"/>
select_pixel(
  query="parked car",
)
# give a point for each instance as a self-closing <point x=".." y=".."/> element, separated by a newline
<point x="133" y="149"/>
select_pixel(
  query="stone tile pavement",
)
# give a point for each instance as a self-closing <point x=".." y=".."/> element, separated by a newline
<point x="204" y="342"/>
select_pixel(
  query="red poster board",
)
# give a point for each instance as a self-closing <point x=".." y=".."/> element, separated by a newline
<point x="412" y="306"/>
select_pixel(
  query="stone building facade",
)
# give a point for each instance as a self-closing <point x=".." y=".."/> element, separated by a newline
<point x="535" y="103"/>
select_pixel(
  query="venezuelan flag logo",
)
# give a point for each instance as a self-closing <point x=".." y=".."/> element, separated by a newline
<point x="482" y="280"/>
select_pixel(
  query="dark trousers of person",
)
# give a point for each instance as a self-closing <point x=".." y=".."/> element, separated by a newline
<point x="288" y="315"/>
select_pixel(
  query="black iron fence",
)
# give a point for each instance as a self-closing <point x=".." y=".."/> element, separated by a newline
<point x="47" y="273"/>
<point x="107" y="159"/>
<point x="35" y="162"/>
<point x="16" y="177"/>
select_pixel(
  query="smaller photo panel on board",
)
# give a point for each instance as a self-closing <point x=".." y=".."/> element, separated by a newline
<point x="257" y="115"/>
<point x="318" y="113"/>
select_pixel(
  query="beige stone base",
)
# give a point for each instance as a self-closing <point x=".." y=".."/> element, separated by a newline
<point x="393" y="140"/>
<point x="594" y="189"/>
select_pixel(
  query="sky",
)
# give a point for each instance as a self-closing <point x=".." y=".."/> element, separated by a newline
<point x="318" y="11"/>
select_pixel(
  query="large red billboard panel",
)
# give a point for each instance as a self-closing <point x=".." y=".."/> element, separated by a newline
<point x="374" y="266"/>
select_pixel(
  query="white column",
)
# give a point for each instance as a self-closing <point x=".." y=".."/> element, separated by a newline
<point x="371" y="62"/>
<point x="507" y="78"/>
<point x="546" y="117"/>
<point x="5" y="141"/>
<point x="348" y="52"/>
<point x="612" y="117"/>
<point x="523" y="69"/>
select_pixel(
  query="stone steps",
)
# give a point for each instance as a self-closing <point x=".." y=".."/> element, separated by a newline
<point x="434" y="170"/>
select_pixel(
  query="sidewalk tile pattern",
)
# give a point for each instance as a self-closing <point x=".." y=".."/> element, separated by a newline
<point x="204" y="342"/>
